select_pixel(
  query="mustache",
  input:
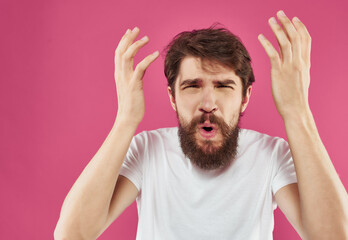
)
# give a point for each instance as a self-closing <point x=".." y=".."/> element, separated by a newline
<point x="212" y="118"/>
<point x="224" y="127"/>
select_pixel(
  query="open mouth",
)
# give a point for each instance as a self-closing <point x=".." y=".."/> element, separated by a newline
<point x="207" y="130"/>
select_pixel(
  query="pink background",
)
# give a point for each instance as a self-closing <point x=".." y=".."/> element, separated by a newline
<point x="58" y="100"/>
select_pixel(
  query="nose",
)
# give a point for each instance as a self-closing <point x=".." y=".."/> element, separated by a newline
<point x="208" y="102"/>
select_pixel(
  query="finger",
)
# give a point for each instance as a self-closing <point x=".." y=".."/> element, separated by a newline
<point x="306" y="40"/>
<point x="144" y="64"/>
<point x="124" y="35"/>
<point x="284" y="43"/>
<point x="128" y="56"/>
<point x="271" y="52"/>
<point x="121" y="40"/>
<point x="128" y="39"/>
<point x="292" y="35"/>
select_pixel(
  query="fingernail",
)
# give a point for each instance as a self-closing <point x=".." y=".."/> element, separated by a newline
<point x="135" y="29"/>
<point x="128" y="30"/>
<point x="155" y="53"/>
<point x="296" y="19"/>
<point x="144" y="38"/>
<point x="281" y="13"/>
<point x="273" y="20"/>
<point x="261" y="37"/>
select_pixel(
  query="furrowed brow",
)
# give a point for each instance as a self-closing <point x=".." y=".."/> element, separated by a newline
<point x="226" y="82"/>
<point x="190" y="81"/>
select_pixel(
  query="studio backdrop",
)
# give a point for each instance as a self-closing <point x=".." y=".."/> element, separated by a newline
<point x="58" y="97"/>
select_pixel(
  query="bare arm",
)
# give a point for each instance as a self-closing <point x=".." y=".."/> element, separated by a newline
<point x="323" y="198"/>
<point x="86" y="208"/>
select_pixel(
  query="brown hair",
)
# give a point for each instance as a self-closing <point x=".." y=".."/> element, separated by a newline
<point x="213" y="44"/>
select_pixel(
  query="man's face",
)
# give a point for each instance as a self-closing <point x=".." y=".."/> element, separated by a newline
<point x="208" y="102"/>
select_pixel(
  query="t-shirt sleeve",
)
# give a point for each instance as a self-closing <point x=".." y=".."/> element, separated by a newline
<point x="284" y="167"/>
<point x="132" y="167"/>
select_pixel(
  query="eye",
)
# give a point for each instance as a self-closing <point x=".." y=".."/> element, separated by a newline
<point x="224" y="86"/>
<point x="191" y="86"/>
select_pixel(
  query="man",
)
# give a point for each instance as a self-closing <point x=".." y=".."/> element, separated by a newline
<point x="208" y="179"/>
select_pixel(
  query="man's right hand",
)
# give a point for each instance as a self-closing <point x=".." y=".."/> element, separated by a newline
<point x="129" y="84"/>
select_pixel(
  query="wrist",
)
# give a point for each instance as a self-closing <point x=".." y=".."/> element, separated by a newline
<point x="296" y="113"/>
<point x="304" y="118"/>
<point x="126" y="122"/>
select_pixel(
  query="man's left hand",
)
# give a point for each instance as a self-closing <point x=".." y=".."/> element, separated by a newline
<point x="290" y="71"/>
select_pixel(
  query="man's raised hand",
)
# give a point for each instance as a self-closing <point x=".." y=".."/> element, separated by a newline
<point x="129" y="84"/>
<point x="290" y="71"/>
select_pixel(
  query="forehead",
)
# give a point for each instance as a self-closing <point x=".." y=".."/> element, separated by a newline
<point x="193" y="68"/>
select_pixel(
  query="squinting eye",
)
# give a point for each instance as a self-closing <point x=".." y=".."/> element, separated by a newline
<point x="223" y="86"/>
<point x="192" y="86"/>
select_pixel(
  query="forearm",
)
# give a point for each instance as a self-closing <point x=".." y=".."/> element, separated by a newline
<point x="324" y="200"/>
<point x="85" y="208"/>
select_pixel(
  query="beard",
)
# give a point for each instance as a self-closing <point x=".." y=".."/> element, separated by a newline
<point x="209" y="156"/>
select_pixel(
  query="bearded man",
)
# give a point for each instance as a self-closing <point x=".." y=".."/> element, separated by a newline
<point x="207" y="178"/>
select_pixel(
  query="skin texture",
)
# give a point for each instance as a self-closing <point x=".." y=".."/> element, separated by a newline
<point x="99" y="196"/>
<point x="317" y="206"/>
<point x="207" y="96"/>
<point x="290" y="70"/>
<point x="129" y="84"/>
<point x="202" y="97"/>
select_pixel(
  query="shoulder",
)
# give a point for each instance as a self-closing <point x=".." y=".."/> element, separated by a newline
<point x="170" y="131"/>
<point x="160" y="134"/>
<point x="252" y="138"/>
<point x="158" y="140"/>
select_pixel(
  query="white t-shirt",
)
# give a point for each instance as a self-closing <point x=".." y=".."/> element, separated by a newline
<point x="177" y="200"/>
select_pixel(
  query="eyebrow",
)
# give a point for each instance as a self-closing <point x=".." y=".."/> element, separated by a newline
<point x="190" y="81"/>
<point x="226" y="82"/>
<point x="197" y="80"/>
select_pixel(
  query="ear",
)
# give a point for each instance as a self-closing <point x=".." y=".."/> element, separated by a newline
<point x="171" y="98"/>
<point x="246" y="98"/>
